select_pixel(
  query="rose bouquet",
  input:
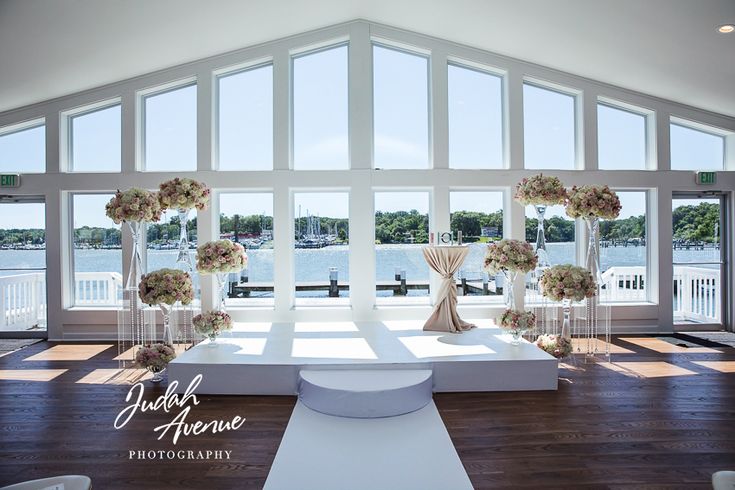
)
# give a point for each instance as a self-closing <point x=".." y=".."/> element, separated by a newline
<point x="212" y="323"/>
<point x="133" y="205"/>
<point x="556" y="345"/>
<point x="567" y="282"/>
<point x="181" y="193"/>
<point x="540" y="190"/>
<point x="510" y="255"/>
<point x="155" y="358"/>
<point x="517" y="320"/>
<point x="166" y="287"/>
<point x="221" y="256"/>
<point x="593" y="201"/>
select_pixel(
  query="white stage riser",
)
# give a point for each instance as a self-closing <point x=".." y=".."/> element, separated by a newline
<point x="459" y="376"/>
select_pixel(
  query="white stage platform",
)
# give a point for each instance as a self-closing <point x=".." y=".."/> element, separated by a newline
<point x="265" y="359"/>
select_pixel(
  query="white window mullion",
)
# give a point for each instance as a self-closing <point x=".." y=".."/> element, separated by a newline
<point x="439" y="110"/>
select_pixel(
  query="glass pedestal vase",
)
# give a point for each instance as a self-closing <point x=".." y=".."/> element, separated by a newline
<point x="136" y="264"/>
<point x="509" y="278"/>
<point x="183" y="261"/>
<point x="222" y="283"/>
<point x="212" y="340"/>
<point x="566" y="326"/>
<point x="543" y="256"/>
<point x="516" y="336"/>
<point x="592" y="263"/>
<point x="168" y="338"/>
<point x="157" y="375"/>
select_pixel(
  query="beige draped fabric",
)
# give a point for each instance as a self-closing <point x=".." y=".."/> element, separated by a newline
<point x="446" y="261"/>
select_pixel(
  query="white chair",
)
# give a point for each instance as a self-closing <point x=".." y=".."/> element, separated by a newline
<point x="66" y="482"/>
<point x="723" y="480"/>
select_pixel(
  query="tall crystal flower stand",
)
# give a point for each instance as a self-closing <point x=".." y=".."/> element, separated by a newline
<point x="135" y="320"/>
<point x="543" y="256"/>
<point x="597" y="311"/>
<point x="183" y="261"/>
<point x="182" y="327"/>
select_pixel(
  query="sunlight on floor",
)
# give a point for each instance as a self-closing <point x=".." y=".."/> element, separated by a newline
<point x="255" y="327"/>
<point x="115" y="377"/>
<point x="664" y="347"/>
<point x="423" y="347"/>
<point x="332" y="349"/>
<point x="67" y="352"/>
<point x="248" y="347"/>
<point x="658" y="369"/>
<point x="30" y="374"/>
<point x="309" y="327"/>
<point x="721" y="366"/>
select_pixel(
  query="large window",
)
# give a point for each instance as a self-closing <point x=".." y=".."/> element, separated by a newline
<point x="170" y="136"/>
<point x="22" y="265"/>
<point x="693" y="149"/>
<point x="247" y="218"/>
<point x="479" y="216"/>
<point x="95" y="141"/>
<point x="475" y="118"/>
<point x="548" y="129"/>
<point x="163" y="240"/>
<point x="401" y="109"/>
<point x="401" y="230"/>
<point x="23" y="148"/>
<point x="321" y="247"/>
<point x="623" y="257"/>
<point x="97" y="257"/>
<point x="621" y="139"/>
<point x="245" y="119"/>
<point x="320" y="110"/>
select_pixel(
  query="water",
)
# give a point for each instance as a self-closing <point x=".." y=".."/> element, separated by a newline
<point x="314" y="264"/>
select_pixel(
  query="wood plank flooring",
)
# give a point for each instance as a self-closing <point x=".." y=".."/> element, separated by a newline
<point x="651" y="420"/>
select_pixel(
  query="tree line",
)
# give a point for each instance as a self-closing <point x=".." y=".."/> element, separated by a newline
<point x="690" y="223"/>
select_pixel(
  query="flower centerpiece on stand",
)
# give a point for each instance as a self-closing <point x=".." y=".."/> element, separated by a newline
<point x="567" y="283"/>
<point x="510" y="257"/>
<point x="155" y="358"/>
<point x="221" y="257"/>
<point x="164" y="288"/>
<point x="211" y="324"/>
<point x="541" y="191"/>
<point x="516" y="322"/>
<point x="556" y="345"/>
<point x="184" y="195"/>
<point x="592" y="203"/>
<point x="134" y="206"/>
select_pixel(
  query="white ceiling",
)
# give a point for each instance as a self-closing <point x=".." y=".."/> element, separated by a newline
<point x="667" y="48"/>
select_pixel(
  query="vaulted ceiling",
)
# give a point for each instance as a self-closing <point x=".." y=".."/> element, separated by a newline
<point x="667" y="48"/>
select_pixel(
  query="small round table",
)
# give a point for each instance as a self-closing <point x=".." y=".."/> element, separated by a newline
<point x="446" y="260"/>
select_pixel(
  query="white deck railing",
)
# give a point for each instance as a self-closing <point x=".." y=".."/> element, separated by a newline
<point x="23" y="296"/>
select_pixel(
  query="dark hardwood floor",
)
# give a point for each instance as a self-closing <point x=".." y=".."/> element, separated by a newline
<point x="651" y="420"/>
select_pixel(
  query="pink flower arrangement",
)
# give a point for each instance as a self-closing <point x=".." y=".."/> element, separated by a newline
<point x="517" y="320"/>
<point x="566" y="281"/>
<point x="510" y="255"/>
<point x="541" y="191"/>
<point x="133" y="205"/>
<point x="556" y="345"/>
<point x="166" y="287"/>
<point x="593" y="201"/>
<point x="212" y="323"/>
<point x="155" y="357"/>
<point x="182" y="193"/>
<point x="221" y="256"/>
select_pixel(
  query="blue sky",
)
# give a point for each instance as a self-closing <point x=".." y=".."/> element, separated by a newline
<point x="320" y="128"/>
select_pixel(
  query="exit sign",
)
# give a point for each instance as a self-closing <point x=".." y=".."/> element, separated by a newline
<point x="706" y="178"/>
<point x="9" y="180"/>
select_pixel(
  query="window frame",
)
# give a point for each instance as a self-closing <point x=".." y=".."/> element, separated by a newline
<point x="66" y="138"/>
<point x="27" y="125"/>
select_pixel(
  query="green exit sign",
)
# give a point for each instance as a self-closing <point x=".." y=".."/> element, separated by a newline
<point x="9" y="180"/>
<point x="706" y="178"/>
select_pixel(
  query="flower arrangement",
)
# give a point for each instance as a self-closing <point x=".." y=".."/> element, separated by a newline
<point x="155" y="357"/>
<point x="539" y="190"/>
<point x="166" y="286"/>
<point x="212" y="323"/>
<point x="569" y="282"/>
<point x="221" y="256"/>
<point x="183" y="193"/>
<point x="593" y="201"/>
<point x="133" y="205"/>
<point x="556" y="345"/>
<point x="517" y="320"/>
<point x="510" y="255"/>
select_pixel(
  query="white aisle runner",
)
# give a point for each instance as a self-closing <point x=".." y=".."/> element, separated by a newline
<point x="407" y="452"/>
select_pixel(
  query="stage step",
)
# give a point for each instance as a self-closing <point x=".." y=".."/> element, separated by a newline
<point x="365" y="393"/>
